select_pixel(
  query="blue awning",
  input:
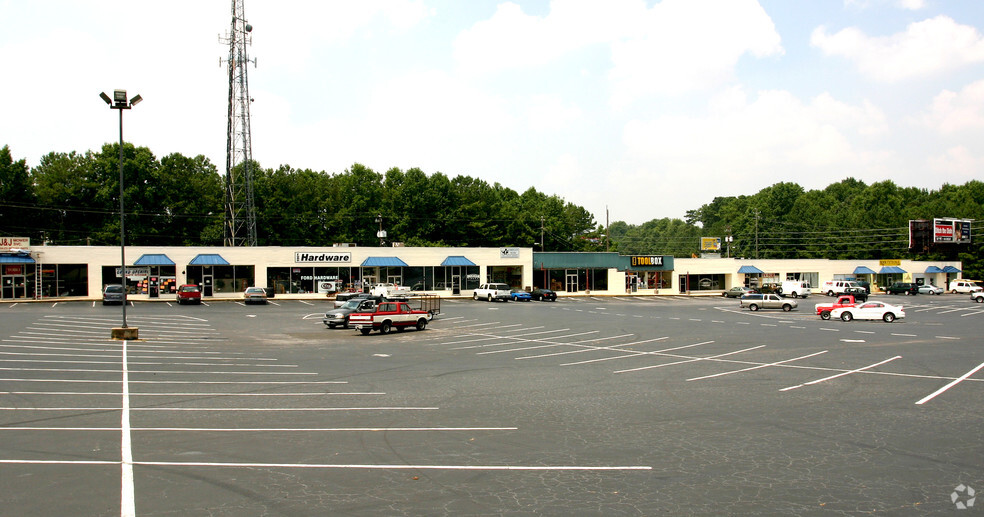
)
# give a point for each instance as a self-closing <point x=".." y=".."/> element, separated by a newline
<point x="950" y="269"/>
<point x="383" y="262"/>
<point x="457" y="260"/>
<point x="933" y="269"/>
<point x="863" y="270"/>
<point x="749" y="269"/>
<point x="888" y="270"/>
<point x="154" y="260"/>
<point x="208" y="259"/>
<point x="16" y="258"/>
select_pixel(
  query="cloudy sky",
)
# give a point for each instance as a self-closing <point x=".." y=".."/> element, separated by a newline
<point x="645" y="108"/>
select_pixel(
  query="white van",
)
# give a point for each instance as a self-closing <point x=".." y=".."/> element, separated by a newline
<point x="963" y="286"/>
<point x="795" y="288"/>
<point x="835" y="287"/>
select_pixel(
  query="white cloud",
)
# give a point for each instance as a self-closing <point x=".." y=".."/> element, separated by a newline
<point x="672" y="47"/>
<point x="678" y="48"/>
<point x="957" y="163"/>
<point x="743" y="145"/>
<point x="953" y="112"/>
<point x="928" y="47"/>
<point x="909" y="5"/>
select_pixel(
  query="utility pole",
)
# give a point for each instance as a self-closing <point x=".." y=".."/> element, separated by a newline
<point x="756" y="234"/>
<point x="541" y="232"/>
<point x="240" y="211"/>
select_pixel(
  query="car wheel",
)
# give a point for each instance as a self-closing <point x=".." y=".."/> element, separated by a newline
<point x="953" y="291"/>
<point x="421" y="324"/>
<point x="847" y="316"/>
<point x="825" y="315"/>
<point x="490" y="298"/>
<point x="365" y="332"/>
<point x="786" y="307"/>
<point x="888" y="317"/>
<point x="385" y="328"/>
<point x="979" y="299"/>
<point x="475" y="296"/>
<point x="830" y="293"/>
<point x="753" y="307"/>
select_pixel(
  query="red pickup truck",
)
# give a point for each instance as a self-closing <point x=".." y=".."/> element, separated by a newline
<point x="844" y="300"/>
<point x="387" y="316"/>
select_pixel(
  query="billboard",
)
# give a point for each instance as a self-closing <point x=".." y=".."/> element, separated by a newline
<point x="710" y="244"/>
<point x="951" y="231"/>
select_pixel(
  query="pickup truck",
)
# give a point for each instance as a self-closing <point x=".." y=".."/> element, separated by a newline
<point x="977" y="296"/>
<point x="491" y="292"/>
<point x="390" y="291"/>
<point x="845" y="300"/>
<point x="387" y="316"/>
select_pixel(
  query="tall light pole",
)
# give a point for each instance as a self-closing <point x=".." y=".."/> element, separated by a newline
<point x="120" y="102"/>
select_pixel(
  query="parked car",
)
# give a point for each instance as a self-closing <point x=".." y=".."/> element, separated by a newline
<point x="492" y="292"/>
<point x="963" y="286"/>
<point x="738" y="292"/>
<point x="519" y="295"/>
<point x="930" y="289"/>
<point x="906" y="288"/>
<point x="977" y="296"/>
<point x="870" y="311"/>
<point x="544" y="295"/>
<point x="838" y="287"/>
<point x="254" y="295"/>
<point x="755" y="302"/>
<point x="113" y="293"/>
<point x="860" y="294"/>
<point x="339" y="316"/>
<point x="795" y="288"/>
<point x="189" y="293"/>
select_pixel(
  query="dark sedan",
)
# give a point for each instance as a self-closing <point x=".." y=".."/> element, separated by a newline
<point x="544" y="295"/>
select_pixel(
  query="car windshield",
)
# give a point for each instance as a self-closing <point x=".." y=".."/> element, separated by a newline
<point x="114" y="288"/>
<point x="352" y="304"/>
<point x="253" y="290"/>
<point x="189" y="289"/>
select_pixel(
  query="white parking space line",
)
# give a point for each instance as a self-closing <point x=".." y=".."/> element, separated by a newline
<point x="757" y="367"/>
<point x="690" y="360"/>
<point x="637" y="354"/>
<point x="841" y="374"/>
<point x="956" y="381"/>
<point x="127" y="498"/>
<point x="587" y="348"/>
<point x="547" y="345"/>
<point x="399" y="466"/>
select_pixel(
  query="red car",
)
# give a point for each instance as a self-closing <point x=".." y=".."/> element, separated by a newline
<point x="189" y="293"/>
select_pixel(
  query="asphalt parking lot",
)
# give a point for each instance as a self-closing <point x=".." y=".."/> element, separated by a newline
<point x="585" y="406"/>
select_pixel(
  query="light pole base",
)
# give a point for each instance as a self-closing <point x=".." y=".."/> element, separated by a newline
<point x="128" y="333"/>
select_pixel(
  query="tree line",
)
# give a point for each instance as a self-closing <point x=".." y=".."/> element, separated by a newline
<point x="73" y="198"/>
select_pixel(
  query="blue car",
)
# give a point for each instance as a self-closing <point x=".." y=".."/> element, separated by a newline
<point x="519" y="295"/>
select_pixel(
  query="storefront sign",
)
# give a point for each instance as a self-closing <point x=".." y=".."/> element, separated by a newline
<point x="14" y="243"/>
<point x="654" y="260"/>
<point x="889" y="262"/>
<point x="307" y="257"/>
<point x="132" y="272"/>
<point x="508" y="252"/>
<point x="13" y="270"/>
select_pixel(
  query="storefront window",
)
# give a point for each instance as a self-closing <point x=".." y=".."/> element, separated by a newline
<point x="509" y="275"/>
<point x="703" y="282"/>
<point x="812" y="278"/>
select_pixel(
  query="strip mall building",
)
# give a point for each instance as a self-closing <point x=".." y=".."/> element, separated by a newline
<point x="44" y="272"/>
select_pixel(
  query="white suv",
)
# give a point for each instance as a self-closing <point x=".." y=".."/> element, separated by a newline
<point x="491" y="292"/>
<point x="835" y="287"/>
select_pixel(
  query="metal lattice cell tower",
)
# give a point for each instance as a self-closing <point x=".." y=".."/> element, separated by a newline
<point x="240" y="211"/>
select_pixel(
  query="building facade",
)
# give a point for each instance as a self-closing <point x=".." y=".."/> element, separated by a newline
<point x="40" y="272"/>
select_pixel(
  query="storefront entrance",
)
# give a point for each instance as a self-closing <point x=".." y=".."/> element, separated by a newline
<point x="14" y="286"/>
<point x="571" y="283"/>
